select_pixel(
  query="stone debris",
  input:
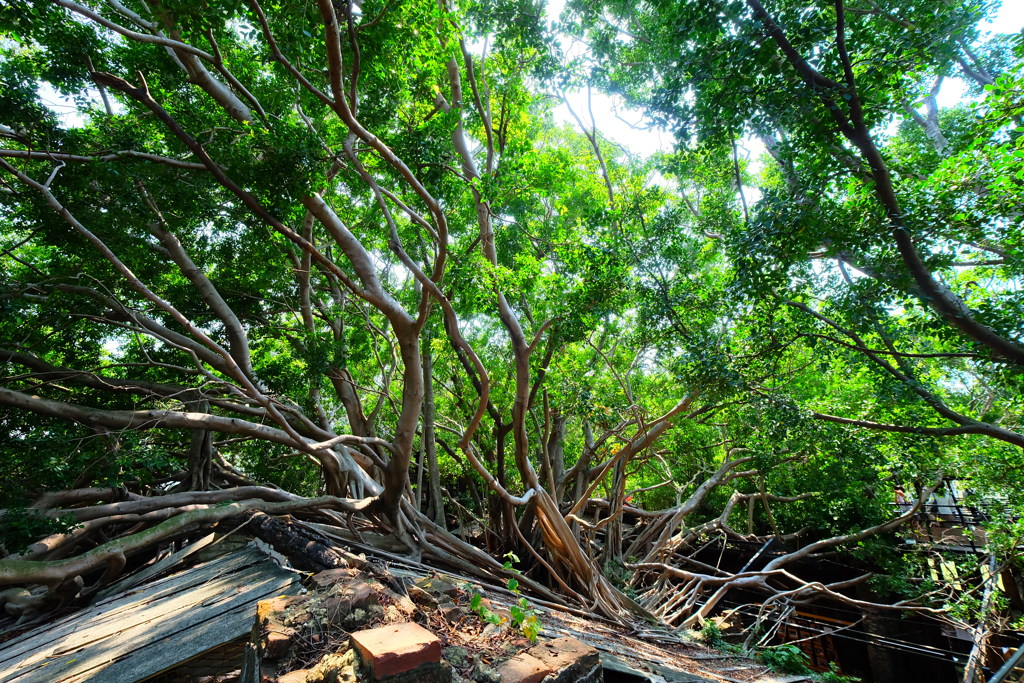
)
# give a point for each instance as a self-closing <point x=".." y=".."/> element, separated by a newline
<point x="343" y="600"/>
<point x="351" y="626"/>
<point x="437" y="586"/>
<point x="523" y="668"/>
<point x="421" y="597"/>
<point x="569" y="661"/>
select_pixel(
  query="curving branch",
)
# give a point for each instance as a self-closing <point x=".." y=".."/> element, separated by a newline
<point x="330" y="459"/>
<point x="852" y="125"/>
<point x="110" y="156"/>
<point x="237" y="339"/>
<point x="175" y="45"/>
<point x="966" y="424"/>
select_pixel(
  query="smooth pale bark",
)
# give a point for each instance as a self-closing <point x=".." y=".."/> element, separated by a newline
<point x="212" y="85"/>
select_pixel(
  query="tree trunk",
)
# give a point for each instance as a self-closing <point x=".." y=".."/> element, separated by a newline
<point x="435" y="504"/>
<point x="200" y="453"/>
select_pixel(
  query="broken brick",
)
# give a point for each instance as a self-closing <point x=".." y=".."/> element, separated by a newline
<point x="523" y="668"/>
<point x="298" y="676"/>
<point x="266" y="608"/>
<point x="276" y="642"/>
<point x="571" y="660"/>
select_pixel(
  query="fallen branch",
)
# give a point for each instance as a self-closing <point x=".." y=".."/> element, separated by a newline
<point x="113" y="554"/>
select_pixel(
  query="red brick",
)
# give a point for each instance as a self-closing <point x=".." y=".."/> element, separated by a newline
<point x="396" y="648"/>
<point x="523" y="669"/>
<point x="277" y="641"/>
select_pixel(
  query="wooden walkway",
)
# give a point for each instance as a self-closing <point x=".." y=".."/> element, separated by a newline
<point x="136" y="634"/>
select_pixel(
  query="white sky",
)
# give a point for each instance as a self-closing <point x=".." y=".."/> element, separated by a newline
<point x="1010" y="19"/>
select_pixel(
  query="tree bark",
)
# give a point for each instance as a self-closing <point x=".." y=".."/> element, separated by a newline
<point x="435" y="508"/>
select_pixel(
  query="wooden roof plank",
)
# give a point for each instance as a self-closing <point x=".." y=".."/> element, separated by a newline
<point x="157" y="568"/>
<point x="164" y="614"/>
<point x="142" y="654"/>
<point x="88" y="648"/>
<point x="228" y="563"/>
<point x="127" y="634"/>
<point x="115" y="607"/>
<point x="188" y="644"/>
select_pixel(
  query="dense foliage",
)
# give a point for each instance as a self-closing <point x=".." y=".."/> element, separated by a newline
<point x="346" y="254"/>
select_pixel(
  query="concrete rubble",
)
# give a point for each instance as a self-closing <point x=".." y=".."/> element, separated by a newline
<point x="406" y="627"/>
<point x="353" y="627"/>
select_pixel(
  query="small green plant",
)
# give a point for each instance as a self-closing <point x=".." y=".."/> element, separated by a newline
<point x="833" y="676"/>
<point x="476" y="603"/>
<point x="524" y="617"/>
<point x="711" y="634"/>
<point x="786" y="659"/>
